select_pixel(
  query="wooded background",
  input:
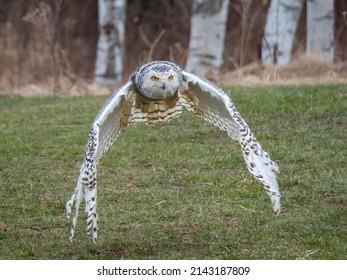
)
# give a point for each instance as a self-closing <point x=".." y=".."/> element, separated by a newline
<point x="35" y="46"/>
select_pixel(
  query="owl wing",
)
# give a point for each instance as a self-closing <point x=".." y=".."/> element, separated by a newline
<point x="114" y="117"/>
<point x="212" y="104"/>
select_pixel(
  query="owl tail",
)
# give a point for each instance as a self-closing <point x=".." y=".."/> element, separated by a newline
<point x="261" y="167"/>
<point x="86" y="184"/>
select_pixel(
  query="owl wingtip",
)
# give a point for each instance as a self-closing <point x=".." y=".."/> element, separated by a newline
<point x="276" y="204"/>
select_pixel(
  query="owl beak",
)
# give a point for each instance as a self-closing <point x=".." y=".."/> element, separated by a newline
<point x="163" y="86"/>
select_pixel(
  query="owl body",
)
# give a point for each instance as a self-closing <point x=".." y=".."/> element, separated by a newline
<point x="155" y="94"/>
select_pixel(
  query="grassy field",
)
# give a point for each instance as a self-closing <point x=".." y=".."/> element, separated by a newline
<point x="181" y="190"/>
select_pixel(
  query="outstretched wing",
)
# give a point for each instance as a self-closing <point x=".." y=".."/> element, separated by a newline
<point x="212" y="104"/>
<point x="110" y="121"/>
<point x="122" y="108"/>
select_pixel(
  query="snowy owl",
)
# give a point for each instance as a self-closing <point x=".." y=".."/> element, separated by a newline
<point x="154" y="94"/>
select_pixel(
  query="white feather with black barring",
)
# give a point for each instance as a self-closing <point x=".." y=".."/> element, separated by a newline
<point x="215" y="106"/>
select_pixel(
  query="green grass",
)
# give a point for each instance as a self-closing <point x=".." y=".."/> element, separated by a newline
<point x="181" y="190"/>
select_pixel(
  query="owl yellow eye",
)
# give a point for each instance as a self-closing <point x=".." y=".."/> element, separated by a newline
<point x="154" y="78"/>
<point x="170" y="77"/>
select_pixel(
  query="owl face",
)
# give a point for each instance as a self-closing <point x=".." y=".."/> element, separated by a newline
<point x="160" y="84"/>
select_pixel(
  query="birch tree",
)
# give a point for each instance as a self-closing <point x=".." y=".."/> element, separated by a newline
<point x="281" y="24"/>
<point x="109" y="55"/>
<point x="320" y="29"/>
<point x="206" y="43"/>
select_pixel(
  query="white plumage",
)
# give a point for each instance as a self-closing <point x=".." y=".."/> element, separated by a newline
<point x="155" y="93"/>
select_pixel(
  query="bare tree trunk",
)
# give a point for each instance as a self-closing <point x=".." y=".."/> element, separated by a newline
<point x="281" y="24"/>
<point x="109" y="56"/>
<point x="320" y="29"/>
<point x="206" y="44"/>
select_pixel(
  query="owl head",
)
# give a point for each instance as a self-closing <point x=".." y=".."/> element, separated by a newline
<point x="158" y="80"/>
